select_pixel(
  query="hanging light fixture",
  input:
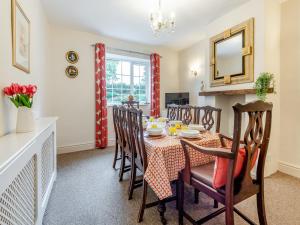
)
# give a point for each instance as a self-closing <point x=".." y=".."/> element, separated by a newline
<point x="160" y="23"/>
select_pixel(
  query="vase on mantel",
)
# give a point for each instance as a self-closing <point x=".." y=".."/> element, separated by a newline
<point x="25" y="120"/>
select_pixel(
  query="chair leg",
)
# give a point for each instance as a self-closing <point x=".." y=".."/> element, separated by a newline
<point x="116" y="156"/>
<point x="132" y="178"/>
<point x="143" y="203"/>
<point x="229" y="215"/>
<point x="196" y="194"/>
<point x="180" y="200"/>
<point x="123" y="158"/>
<point x="261" y="208"/>
<point x="216" y="204"/>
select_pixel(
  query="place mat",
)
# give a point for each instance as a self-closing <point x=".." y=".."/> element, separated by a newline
<point x="146" y="135"/>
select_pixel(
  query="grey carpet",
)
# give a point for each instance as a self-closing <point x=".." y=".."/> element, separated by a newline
<point x="87" y="192"/>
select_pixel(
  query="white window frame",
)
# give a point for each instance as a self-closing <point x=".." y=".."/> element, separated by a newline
<point x="133" y="61"/>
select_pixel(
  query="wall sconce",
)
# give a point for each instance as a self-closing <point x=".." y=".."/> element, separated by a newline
<point x="195" y="72"/>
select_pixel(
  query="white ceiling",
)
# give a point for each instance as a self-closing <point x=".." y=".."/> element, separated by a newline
<point x="129" y="19"/>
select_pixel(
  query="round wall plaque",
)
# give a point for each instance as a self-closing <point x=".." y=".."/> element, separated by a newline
<point x="72" y="71"/>
<point x="72" y="57"/>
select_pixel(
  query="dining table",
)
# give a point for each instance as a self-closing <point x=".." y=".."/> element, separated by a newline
<point x="166" y="159"/>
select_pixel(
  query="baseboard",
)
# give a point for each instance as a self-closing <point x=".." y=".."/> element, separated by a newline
<point x="80" y="147"/>
<point x="289" y="169"/>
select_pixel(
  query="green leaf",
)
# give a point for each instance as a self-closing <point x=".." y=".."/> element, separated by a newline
<point x="24" y="101"/>
<point x="15" y="102"/>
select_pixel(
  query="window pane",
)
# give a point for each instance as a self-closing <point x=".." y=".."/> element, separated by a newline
<point x="136" y="70"/>
<point x="118" y="71"/>
<point x="142" y="70"/>
<point x="126" y="82"/>
<point x="117" y="82"/>
<point x="126" y="68"/>
<point x="136" y="81"/>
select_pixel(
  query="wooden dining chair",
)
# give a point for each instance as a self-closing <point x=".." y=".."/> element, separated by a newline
<point x="138" y="144"/>
<point x="186" y="114"/>
<point x="117" y="135"/>
<point x="126" y="151"/>
<point x="208" y="116"/>
<point x="228" y="180"/>
<point x="172" y="112"/>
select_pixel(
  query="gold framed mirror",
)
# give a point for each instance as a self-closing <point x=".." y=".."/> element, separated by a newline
<point x="232" y="55"/>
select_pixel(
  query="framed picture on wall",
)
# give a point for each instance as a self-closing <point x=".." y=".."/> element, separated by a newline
<point x="20" y="38"/>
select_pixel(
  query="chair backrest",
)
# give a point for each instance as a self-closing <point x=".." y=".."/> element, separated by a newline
<point x="116" y="121"/>
<point x="185" y="114"/>
<point x="208" y="116"/>
<point x="137" y="136"/>
<point x="255" y="138"/>
<point x="131" y="104"/>
<point x="124" y="128"/>
<point x="172" y="112"/>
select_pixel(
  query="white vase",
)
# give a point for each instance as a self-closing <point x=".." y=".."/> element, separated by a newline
<point x="25" y="120"/>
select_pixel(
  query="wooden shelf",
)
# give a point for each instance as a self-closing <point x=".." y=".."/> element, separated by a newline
<point x="232" y="92"/>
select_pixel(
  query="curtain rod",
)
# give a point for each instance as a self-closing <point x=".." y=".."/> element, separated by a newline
<point x="123" y="50"/>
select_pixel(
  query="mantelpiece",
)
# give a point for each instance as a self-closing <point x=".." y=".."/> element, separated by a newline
<point x="231" y="92"/>
<point x="27" y="173"/>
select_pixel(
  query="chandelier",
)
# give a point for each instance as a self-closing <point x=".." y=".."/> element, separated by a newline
<point x="160" y="23"/>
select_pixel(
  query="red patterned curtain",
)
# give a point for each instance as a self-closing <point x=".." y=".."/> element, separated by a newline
<point x="155" y="85"/>
<point x="101" y="109"/>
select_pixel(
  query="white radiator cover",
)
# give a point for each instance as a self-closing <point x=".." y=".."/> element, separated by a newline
<point x="27" y="173"/>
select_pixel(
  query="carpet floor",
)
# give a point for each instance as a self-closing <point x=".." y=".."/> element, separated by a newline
<point x="87" y="192"/>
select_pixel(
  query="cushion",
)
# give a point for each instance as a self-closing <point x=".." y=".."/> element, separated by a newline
<point x="221" y="167"/>
<point x="204" y="173"/>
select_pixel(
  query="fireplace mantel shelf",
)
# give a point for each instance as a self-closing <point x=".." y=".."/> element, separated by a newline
<point x="231" y="92"/>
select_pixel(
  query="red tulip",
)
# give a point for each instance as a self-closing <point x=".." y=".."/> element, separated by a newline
<point x="7" y="91"/>
<point x="23" y="89"/>
<point x="15" y="88"/>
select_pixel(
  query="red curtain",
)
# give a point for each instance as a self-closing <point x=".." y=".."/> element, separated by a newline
<point x="101" y="103"/>
<point x="155" y="85"/>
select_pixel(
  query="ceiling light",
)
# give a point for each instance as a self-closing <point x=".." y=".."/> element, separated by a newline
<point x="161" y="23"/>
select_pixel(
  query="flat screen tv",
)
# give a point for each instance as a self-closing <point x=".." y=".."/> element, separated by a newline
<point x="182" y="98"/>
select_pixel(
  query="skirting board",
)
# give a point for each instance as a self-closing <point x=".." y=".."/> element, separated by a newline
<point x="80" y="147"/>
<point x="289" y="169"/>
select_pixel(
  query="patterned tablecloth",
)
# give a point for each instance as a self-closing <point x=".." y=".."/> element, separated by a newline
<point x="166" y="159"/>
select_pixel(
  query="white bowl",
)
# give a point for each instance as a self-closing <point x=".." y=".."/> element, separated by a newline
<point x="162" y="119"/>
<point x="189" y="133"/>
<point x="175" y="122"/>
<point x="155" y="131"/>
<point x="196" y="127"/>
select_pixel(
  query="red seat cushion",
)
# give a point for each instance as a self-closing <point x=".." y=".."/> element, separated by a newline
<point x="221" y="167"/>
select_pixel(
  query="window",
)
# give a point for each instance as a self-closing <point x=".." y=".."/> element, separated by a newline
<point x="127" y="76"/>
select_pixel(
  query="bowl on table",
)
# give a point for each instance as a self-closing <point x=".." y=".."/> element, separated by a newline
<point x="155" y="131"/>
<point x="174" y="122"/>
<point x="198" y="127"/>
<point x="190" y="134"/>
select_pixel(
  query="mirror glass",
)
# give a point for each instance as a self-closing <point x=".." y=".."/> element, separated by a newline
<point x="229" y="57"/>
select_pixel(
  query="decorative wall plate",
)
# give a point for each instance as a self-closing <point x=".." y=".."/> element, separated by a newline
<point x="72" y="71"/>
<point x="72" y="57"/>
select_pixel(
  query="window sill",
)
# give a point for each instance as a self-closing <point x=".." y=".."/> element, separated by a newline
<point x="145" y="104"/>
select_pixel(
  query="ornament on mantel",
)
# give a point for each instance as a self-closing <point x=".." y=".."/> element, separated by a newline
<point x="202" y="87"/>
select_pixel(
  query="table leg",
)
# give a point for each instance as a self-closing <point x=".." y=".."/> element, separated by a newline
<point x="162" y="209"/>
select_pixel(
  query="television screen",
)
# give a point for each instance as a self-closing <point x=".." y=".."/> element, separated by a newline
<point x="177" y="98"/>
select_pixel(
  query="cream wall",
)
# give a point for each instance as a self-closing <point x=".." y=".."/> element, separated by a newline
<point x="8" y="73"/>
<point x="290" y="88"/>
<point x="266" y="58"/>
<point x="73" y="101"/>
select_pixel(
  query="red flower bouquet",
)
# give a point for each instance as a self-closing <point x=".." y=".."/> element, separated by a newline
<point x="21" y="95"/>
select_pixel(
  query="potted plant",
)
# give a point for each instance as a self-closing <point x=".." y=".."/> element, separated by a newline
<point x="22" y="97"/>
<point x="262" y="85"/>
